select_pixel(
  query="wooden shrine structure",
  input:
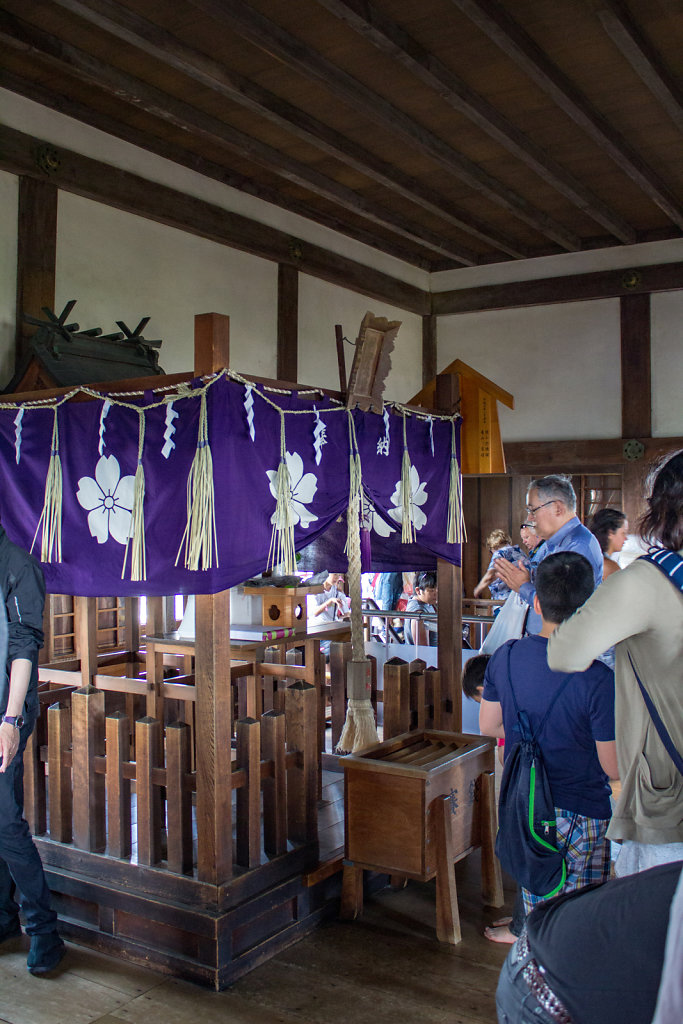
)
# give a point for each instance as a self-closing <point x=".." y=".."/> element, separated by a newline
<point x="183" y="876"/>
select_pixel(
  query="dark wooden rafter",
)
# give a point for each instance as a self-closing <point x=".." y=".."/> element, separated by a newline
<point x="429" y="328"/>
<point x="162" y="45"/>
<point x="96" y="180"/>
<point x="56" y="53"/>
<point x="186" y="158"/>
<point x="497" y="24"/>
<point x="642" y="56"/>
<point x="603" y="284"/>
<point x="389" y="37"/>
<point x="265" y="34"/>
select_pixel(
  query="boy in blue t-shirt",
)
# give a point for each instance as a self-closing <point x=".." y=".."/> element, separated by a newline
<point x="577" y="741"/>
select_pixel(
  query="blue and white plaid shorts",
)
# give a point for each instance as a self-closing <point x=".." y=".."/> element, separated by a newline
<point x="587" y="856"/>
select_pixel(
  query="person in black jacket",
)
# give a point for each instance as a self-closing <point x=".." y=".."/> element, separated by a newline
<point x="21" y="611"/>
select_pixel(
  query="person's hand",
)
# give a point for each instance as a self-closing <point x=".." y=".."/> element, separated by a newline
<point x="513" y="575"/>
<point x="9" y="744"/>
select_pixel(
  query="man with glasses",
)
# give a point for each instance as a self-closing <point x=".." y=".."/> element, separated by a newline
<point x="551" y="509"/>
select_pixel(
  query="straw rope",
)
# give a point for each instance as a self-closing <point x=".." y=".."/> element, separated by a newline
<point x="138" y="561"/>
<point x="456" y="532"/>
<point x="282" y="550"/>
<point x="51" y="515"/>
<point x="199" y="537"/>
<point x="407" y="525"/>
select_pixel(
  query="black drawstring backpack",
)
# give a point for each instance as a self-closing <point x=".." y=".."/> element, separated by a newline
<point x="526" y="843"/>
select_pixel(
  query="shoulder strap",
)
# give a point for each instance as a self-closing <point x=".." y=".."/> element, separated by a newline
<point x="550" y="707"/>
<point x="670" y="563"/>
<point x="658" y="723"/>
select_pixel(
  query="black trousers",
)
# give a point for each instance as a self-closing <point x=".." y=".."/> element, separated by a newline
<point x="20" y="863"/>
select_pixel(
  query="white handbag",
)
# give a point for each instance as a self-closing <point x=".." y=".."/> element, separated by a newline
<point x="509" y="624"/>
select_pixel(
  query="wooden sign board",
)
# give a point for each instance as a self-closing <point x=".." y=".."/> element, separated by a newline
<point x="371" y="362"/>
<point x="480" y="440"/>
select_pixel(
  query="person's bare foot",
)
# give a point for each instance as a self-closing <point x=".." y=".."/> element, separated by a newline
<point x="501" y="922"/>
<point x="500" y="934"/>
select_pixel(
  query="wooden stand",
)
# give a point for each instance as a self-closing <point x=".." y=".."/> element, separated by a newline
<point x="415" y="805"/>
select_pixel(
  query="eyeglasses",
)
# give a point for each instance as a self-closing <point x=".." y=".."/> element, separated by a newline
<point x="533" y="511"/>
<point x="527" y="526"/>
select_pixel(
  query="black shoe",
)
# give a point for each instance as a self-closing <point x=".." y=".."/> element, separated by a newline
<point x="11" y="930"/>
<point x="45" y="953"/>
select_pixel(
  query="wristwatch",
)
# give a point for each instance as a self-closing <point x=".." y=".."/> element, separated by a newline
<point x="16" y="720"/>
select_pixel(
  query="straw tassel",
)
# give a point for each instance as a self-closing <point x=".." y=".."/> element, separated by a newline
<point x="456" y="532"/>
<point x="199" y="538"/>
<point x="282" y="550"/>
<point x="51" y="516"/>
<point x="359" y="729"/>
<point x="407" y="525"/>
<point x="138" y="561"/>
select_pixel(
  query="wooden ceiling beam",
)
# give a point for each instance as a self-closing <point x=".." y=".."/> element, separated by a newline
<point x="127" y="89"/>
<point x="94" y="179"/>
<point x="391" y="39"/>
<point x="156" y="42"/>
<point x="218" y="172"/>
<point x="497" y="24"/>
<point x="274" y="40"/>
<point x="603" y="284"/>
<point x="642" y="56"/>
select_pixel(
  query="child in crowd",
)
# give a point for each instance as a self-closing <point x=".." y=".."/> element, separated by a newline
<point x="500" y="545"/>
<point x="577" y="740"/>
<point x="423" y="600"/>
<point x="330" y="606"/>
<point x="473" y="676"/>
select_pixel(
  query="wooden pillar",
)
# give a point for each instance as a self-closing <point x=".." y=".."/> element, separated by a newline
<point x="36" y="255"/>
<point x="449" y="580"/>
<point x="213" y="710"/>
<point x="636" y="395"/>
<point x="287" y="322"/>
<point x="85" y="628"/>
<point x="428" y="348"/>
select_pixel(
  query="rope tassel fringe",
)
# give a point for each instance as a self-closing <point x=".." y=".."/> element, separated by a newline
<point x="199" y="538"/>
<point x="51" y="515"/>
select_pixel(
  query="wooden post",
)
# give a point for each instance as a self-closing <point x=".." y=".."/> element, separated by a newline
<point x="118" y="786"/>
<point x="213" y="712"/>
<point x="35" y="805"/>
<point x="636" y="395"/>
<point x="178" y="799"/>
<point x="396" y="697"/>
<point x="148" y="795"/>
<point x="36" y="256"/>
<point x="59" y="741"/>
<point x="429" y="326"/>
<point x="447" y="916"/>
<point x="302" y="780"/>
<point x="449" y="580"/>
<point x="248" y="844"/>
<point x="340" y="654"/>
<point x="154" y="664"/>
<point x="491" y="878"/>
<point x="287" y="322"/>
<point x="85" y="628"/>
<point x="87" y="729"/>
<point x="275" y="785"/>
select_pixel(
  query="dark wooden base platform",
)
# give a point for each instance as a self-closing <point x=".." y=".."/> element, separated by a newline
<point x="207" y="934"/>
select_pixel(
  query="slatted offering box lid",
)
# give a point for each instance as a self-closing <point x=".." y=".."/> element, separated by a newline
<point x="390" y="789"/>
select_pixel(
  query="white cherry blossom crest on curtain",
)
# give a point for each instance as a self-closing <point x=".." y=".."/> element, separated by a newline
<point x="302" y="490"/>
<point x="418" y="496"/>
<point x="370" y="520"/>
<point x="108" y="500"/>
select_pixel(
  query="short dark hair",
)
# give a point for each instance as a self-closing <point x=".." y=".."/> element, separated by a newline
<point x="564" y="581"/>
<point x="424" y="580"/>
<point x="473" y="674"/>
<point x="663" y="521"/>
<point x="604" y="522"/>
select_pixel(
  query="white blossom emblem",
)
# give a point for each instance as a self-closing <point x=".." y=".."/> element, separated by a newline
<point x="302" y="490"/>
<point x="370" y="520"/>
<point x="418" y="497"/>
<point x="108" y="500"/>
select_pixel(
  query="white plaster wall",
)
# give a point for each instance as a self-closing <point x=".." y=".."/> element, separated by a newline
<point x="560" y="362"/>
<point x="123" y="267"/>
<point x="321" y="306"/>
<point x="667" y="364"/>
<point x="9" y="202"/>
<point x="26" y="116"/>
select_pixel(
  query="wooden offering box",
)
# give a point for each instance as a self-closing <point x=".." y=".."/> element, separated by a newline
<point x="414" y="805"/>
<point x="284" y="606"/>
